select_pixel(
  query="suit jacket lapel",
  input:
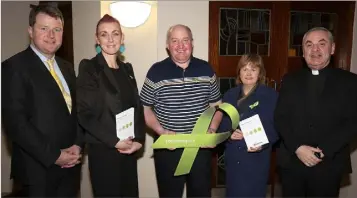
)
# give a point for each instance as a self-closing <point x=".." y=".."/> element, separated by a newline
<point x="42" y="74"/>
<point x="108" y="74"/>
<point x="67" y="75"/>
<point x="129" y="75"/>
<point x="110" y="84"/>
<point x="38" y="65"/>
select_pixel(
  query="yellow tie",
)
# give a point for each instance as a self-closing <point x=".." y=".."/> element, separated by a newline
<point x="66" y="96"/>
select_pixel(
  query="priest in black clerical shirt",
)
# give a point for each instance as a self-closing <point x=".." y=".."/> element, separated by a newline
<point x="316" y="117"/>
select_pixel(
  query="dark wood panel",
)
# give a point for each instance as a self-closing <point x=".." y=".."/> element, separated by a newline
<point x="66" y="50"/>
<point x="278" y="63"/>
<point x="225" y="66"/>
<point x="294" y="63"/>
<point x="279" y="40"/>
<point x="343" y="33"/>
<point x="242" y="4"/>
<point x="315" y="6"/>
<point x="213" y="35"/>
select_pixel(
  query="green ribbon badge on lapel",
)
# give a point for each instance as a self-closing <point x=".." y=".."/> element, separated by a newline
<point x="198" y="138"/>
<point x="254" y="105"/>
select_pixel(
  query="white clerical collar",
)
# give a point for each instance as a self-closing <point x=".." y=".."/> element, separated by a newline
<point x="315" y="72"/>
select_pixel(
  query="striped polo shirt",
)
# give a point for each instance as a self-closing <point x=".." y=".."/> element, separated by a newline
<point x="179" y="96"/>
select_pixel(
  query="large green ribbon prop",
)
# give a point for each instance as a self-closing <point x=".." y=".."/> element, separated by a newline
<point x="198" y="138"/>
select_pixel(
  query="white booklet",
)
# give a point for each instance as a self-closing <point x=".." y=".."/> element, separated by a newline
<point x="253" y="131"/>
<point x="125" y="124"/>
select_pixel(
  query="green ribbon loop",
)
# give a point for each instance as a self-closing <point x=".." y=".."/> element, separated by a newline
<point x="198" y="138"/>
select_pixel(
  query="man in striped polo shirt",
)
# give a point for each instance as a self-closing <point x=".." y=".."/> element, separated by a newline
<point x="176" y="92"/>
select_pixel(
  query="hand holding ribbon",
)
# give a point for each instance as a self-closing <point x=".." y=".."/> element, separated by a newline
<point x="198" y="138"/>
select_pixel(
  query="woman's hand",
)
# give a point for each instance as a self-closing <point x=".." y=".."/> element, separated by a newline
<point x="134" y="147"/>
<point x="254" y="149"/>
<point x="124" y="144"/>
<point x="237" y="135"/>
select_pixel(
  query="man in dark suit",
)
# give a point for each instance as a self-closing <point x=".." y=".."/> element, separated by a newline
<point x="38" y="111"/>
<point x="316" y="116"/>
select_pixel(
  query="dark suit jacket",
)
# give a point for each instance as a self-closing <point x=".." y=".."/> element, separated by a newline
<point x="98" y="99"/>
<point x="331" y="130"/>
<point x="239" y="162"/>
<point x="35" y="116"/>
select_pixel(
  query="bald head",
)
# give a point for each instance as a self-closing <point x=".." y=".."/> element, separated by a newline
<point x="175" y="27"/>
<point x="179" y="43"/>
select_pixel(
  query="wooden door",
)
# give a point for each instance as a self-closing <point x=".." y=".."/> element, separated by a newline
<point x="335" y="16"/>
<point x="234" y="22"/>
<point x="264" y="19"/>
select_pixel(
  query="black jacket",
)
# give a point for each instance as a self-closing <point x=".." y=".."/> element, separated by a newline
<point x="333" y="124"/>
<point x="35" y="115"/>
<point x="98" y="99"/>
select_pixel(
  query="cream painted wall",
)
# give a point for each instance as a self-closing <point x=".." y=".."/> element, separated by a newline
<point x="351" y="190"/>
<point x="191" y="13"/>
<point x="14" y="38"/>
<point x="14" y="35"/>
<point x="85" y="16"/>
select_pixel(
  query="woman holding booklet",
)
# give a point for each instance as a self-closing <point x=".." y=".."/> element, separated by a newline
<point x="247" y="168"/>
<point x="110" y="111"/>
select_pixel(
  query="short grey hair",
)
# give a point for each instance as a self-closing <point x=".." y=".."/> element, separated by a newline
<point x="172" y="28"/>
<point x="330" y="36"/>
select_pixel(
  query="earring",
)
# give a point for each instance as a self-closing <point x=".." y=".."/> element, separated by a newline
<point x="122" y="48"/>
<point x="98" y="49"/>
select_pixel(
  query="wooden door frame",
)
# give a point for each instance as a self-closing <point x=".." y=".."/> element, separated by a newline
<point x="225" y="66"/>
<point x="343" y="33"/>
<point x="279" y="35"/>
<point x="279" y="39"/>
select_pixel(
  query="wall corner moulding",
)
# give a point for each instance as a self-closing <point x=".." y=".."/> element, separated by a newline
<point x="130" y="14"/>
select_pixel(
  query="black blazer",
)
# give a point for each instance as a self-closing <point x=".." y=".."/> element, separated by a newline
<point x="34" y="114"/>
<point x="98" y="99"/>
<point x="334" y="127"/>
